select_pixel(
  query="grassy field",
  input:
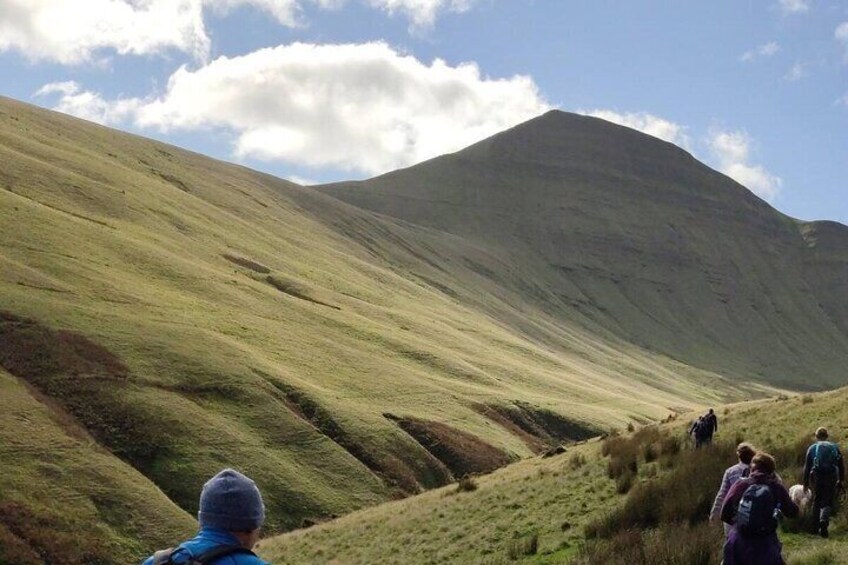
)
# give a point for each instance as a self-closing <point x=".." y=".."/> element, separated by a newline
<point x="536" y="511"/>
<point x="188" y="314"/>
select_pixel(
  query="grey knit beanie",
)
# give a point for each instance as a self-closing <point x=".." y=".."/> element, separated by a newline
<point x="230" y="501"/>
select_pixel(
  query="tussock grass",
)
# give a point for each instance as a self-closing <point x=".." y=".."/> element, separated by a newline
<point x="662" y="519"/>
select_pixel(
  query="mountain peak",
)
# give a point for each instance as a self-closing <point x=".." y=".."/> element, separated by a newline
<point x="563" y="137"/>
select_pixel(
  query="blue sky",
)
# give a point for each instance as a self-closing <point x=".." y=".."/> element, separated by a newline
<point x="322" y="90"/>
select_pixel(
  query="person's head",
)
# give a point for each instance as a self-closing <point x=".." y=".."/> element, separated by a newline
<point x="232" y="502"/>
<point x="745" y="452"/>
<point x="763" y="463"/>
<point x="711" y="410"/>
<point x="821" y="434"/>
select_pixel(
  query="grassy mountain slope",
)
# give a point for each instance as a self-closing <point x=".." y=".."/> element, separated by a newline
<point x="641" y="238"/>
<point x="552" y="500"/>
<point x="190" y="315"/>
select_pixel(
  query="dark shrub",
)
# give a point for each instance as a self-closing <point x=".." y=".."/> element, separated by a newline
<point x="522" y="546"/>
<point x="673" y="544"/>
<point x="466" y="484"/>
<point x="683" y="495"/>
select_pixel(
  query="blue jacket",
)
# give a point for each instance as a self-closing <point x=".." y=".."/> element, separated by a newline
<point x="205" y="540"/>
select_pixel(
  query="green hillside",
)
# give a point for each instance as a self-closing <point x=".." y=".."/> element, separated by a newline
<point x="179" y="314"/>
<point x="552" y="500"/>
<point x="635" y="235"/>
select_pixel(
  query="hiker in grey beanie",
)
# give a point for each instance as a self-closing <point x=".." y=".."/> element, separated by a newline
<point x="231" y="501"/>
<point x="231" y="513"/>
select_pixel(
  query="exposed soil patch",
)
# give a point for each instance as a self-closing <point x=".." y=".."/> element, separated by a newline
<point x="247" y="263"/>
<point x="537" y="427"/>
<point x="176" y="182"/>
<point x="26" y="538"/>
<point x="461" y="452"/>
<point x="71" y="370"/>
<point x="293" y="289"/>
<point x="494" y="413"/>
<point x="393" y="469"/>
<point x="35" y="352"/>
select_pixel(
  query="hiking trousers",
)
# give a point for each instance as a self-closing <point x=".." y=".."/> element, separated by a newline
<point x="824" y="494"/>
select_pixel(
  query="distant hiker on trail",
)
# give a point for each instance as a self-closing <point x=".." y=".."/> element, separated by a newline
<point x="753" y="506"/>
<point x="231" y="513"/>
<point x="711" y="423"/>
<point x="699" y="432"/>
<point x="825" y="470"/>
<point x="745" y="453"/>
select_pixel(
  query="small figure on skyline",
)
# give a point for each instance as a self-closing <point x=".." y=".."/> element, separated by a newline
<point x="744" y="452"/>
<point x="824" y="469"/>
<point x="231" y="514"/>
<point x="754" y="506"/>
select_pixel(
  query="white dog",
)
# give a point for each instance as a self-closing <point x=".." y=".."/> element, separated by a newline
<point x="800" y="496"/>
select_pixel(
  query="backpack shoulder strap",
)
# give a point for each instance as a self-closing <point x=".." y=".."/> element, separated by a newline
<point x="220" y="551"/>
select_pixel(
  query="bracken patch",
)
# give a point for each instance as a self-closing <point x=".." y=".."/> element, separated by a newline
<point x="461" y="452"/>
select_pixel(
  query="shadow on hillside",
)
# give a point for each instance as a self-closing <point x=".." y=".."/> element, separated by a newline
<point x="461" y="452"/>
<point x="538" y="428"/>
<point x="247" y="263"/>
<point x="404" y="471"/>
<point x="293" y="289"/>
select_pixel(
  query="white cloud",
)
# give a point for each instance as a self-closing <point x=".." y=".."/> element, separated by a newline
<point x="88" y="105"/>
<point x="646" y="123"/>
<point x="732" y="150"/>
<point x="361" y="107"/>
<point x="795" y="72"/>
<point x="794" y="6"/>
<point x="766" y="50"/>
<point x="71" y="32"/>
<point x="422" y="13"/>
<point x="841" y="35"/>
<point x="302" y="181"/>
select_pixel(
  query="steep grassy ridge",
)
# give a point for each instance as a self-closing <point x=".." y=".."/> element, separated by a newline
<point x="552" y="500"/>
<point x="633" y="235"/>
<point x="189" y="314"/>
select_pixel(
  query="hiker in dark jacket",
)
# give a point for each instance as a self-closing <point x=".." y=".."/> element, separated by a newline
<point x="699" y="432"/>
<point x="747" y="549"/>
<point x="711" y="424"/>
<point x="231" y="513"/>
<point x="825" y="470"/>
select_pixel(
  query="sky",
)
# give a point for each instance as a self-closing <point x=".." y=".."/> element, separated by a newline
<point x="323" y="90"/>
